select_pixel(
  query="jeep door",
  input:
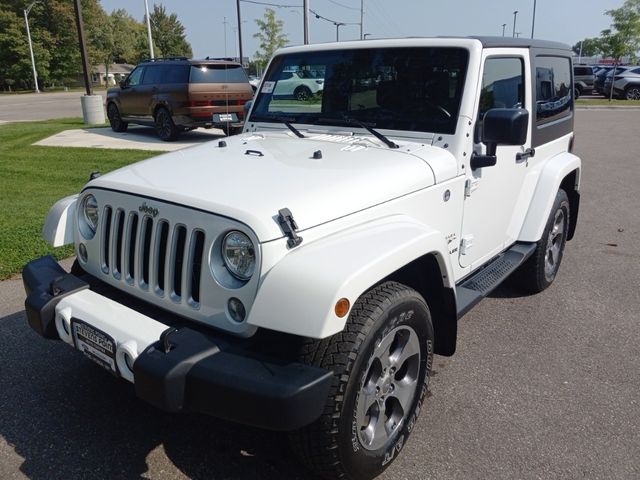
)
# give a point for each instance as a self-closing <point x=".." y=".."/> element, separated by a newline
<point x="129" y="102"/>
<point x="495" y="201"/>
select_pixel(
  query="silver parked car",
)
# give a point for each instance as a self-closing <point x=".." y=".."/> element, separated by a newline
<point x="626" y="84"/>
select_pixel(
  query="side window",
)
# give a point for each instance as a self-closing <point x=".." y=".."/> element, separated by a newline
<point x="176" y="74"/>
<point x="153" y="75"/>
<point x="636" y="71"/>
<point x="135" y="77"/>
<point x="502" y="84"/>
<point x="554" y="92"/>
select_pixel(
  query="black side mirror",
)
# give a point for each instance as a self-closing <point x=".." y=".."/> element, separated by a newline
<point x="501" y="126"/>
<point x="123" y="83"/>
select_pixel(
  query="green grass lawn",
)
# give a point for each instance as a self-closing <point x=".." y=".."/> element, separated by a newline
<point x="33" y="178"/>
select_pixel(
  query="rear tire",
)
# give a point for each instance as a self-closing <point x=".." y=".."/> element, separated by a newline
<point x="165" y="127"/>
<point x="576" y="93"/>
<point x="302" y="93"/>
<point x="540" y="270"/>
<point x="115" y="120"/>
<point x="381" y="363"/>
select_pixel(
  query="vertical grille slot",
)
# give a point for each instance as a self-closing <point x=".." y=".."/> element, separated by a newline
<point x="106" y="239"/>
<point x="161" y="254"/>
<point x="145" y="249"/>
<point x="118" y="236"/>
<point x="132" y="238"/>
<point x="179" y="240"/>
<point x="195" y="264"/>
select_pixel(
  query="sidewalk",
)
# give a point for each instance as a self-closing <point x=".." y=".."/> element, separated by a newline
<point x="135" y="138"/>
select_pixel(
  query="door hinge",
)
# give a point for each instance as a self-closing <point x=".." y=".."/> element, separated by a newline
<point x="470" y="185"/>
<point x="289" y="227"/>
<point x="466" y="244"/>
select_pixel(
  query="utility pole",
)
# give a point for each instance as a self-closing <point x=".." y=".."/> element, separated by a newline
<point x="239" y="32"/>
<point x="33" y="61"/>
<point x="533" y="22"/>
<point x="224" y="22"/>
<point x="361" y="18"/>
<point x="83" y="48"/>
<point x="305" y="20"/>
<point x="504" y="25"/>
<point x="515" y="15"/>
<point x="146" y="8"/>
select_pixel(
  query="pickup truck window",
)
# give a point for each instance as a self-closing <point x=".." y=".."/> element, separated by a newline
<point x="413" y="89"/>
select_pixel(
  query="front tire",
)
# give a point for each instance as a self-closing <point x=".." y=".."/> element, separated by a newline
<point x="165" y="127"/>
<point x="302" y="93"/>
<point x="540" y="270"/>
<point x="381" y="363"/>
<point x="632" y="92"/>
<point x="115" y="120"/>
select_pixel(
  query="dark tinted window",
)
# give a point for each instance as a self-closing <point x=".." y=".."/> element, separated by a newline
<point x="502" y="84"/>
<point x="153" y="76"/>
<point x="553" y="88"/>
<point x="636" y="70"/>
<point x="166" y="74"/>
<point x="135" y="77"/>
<point x="218" y="74"/>
<point x="413" y="89"/>
<point x="582" y="71"/>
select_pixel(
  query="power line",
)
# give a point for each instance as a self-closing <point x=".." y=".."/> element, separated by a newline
<point x="344" y="6"/>
<point x="277" y="5"/>
<point x="332" y="21"/>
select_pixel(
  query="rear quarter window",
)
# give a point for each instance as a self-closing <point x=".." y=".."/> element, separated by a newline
<point x="554" y="89"/>
<point x="218" y="74"/>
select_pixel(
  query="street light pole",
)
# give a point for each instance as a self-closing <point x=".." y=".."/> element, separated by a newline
<point x="305" y="20"/>
<point x="515" y="15"/>
<point x="533" y="22"/>
<point x="338" y="25"/>
<point x="504" y="25"/>
<point x="146" y="8"/>
<point x="361" y="18"/>
<point x="239" y="32"/>
<point x="33" y="61"/>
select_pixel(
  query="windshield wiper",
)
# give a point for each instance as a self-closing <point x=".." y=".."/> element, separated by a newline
<point x="287" y="121"/>
<point x="350" y="121"/>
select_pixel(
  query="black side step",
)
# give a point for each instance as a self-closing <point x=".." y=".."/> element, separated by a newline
<point x="484" y="281"/>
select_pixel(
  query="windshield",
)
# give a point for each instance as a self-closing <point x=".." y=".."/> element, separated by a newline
<point x="414" y="89"/>
<point x="218" y="74"/>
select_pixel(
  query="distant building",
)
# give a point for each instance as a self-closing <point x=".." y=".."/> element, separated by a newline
<point x="117" y="72"/>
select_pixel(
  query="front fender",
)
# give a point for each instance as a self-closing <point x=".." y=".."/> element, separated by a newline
<point x="59" y="225"/>
<point x="298" y="295"/>
<point x="556" y="169"/>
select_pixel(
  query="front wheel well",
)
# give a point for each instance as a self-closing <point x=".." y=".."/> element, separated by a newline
<point x="570" y="186"/>
<point x="425" y="276"/>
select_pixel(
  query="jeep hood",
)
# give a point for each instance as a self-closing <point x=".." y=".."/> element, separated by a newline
<point x="255" y="175"/>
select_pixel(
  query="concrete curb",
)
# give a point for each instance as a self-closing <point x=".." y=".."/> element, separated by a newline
<point x="607" y="107"/>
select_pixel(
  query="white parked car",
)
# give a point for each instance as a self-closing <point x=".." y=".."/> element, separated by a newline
<point x="302" y="275"/>
<point x="298" y="85"/>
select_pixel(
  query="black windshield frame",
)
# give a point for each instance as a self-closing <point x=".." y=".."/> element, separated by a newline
<point x="393" y="88"/>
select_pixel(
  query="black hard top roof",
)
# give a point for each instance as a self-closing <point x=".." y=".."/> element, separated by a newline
<point x="492" y="42"/>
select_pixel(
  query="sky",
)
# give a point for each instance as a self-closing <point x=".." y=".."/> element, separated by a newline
<point x="567" y="21"/>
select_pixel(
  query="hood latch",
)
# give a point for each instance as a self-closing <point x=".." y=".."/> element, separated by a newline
<point x="289" y="227"/>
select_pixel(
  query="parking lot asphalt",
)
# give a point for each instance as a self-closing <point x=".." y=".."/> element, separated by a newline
<point x="541" y="387"/>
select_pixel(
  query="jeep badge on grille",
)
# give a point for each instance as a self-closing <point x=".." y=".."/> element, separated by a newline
<point x="144" y="208"/>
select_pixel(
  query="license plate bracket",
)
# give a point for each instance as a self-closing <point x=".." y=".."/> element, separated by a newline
<point x="95" y="344"/>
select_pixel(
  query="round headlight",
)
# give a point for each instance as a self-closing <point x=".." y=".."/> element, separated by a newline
<point x="239" y="255"/>
<point x="89" y="216"/>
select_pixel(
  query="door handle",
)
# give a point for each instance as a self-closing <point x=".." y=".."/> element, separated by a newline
<point x="528" y="153"/>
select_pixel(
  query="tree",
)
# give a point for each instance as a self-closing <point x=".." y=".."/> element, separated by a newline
<point x="168" y="34"/>
<point x="588" y="47"/>
<point x="623" y="38"/>
<point x="270" y="36"/>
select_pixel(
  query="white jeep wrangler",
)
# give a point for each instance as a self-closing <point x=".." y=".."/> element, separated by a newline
<point x="301" y="276"/>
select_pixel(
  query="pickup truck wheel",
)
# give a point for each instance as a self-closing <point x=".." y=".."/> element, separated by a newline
<point x="381" y="363"/>
<point x="115" y="120"/>
<point x="539" y="271"/>
<point x="165" y="127"/>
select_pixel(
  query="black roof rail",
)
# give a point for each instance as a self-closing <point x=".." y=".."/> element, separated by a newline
<point x="160" y="59"/>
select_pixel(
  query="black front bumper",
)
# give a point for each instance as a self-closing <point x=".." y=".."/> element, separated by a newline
<point x="192" y="370"/>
